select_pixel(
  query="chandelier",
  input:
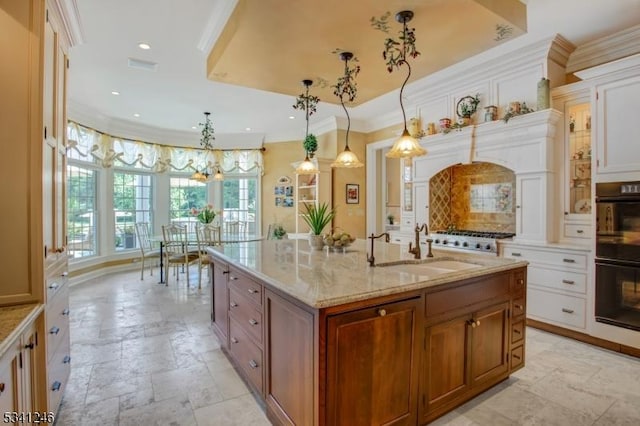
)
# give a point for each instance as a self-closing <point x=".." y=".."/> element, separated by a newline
<point x="346" y="85"/>
<point x="206" y="141"/>
<point x="308" y="103"/>
<point x="395" y="54"/>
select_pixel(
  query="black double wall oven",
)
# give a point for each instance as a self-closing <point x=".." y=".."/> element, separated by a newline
<point x="618" y="254"/>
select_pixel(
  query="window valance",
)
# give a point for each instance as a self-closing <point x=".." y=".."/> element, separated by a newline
<point x="86" y="144"/>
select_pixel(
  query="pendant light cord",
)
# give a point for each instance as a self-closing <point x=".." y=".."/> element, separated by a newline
<point x="346" y="141"/>
<point x="404" y="61"/>
<point x="306" y="115"/>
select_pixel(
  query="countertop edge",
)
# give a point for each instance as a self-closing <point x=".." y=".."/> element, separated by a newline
<point x="31" y="315"/>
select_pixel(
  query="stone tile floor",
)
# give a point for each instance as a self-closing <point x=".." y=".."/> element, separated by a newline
<point x="145" y="354"/>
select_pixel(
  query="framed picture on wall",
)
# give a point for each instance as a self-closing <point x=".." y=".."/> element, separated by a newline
<point x="353" y="193"/>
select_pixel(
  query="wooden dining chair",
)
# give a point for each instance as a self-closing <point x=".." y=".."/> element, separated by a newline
<point x="207" y="234"/>
<point x="176" y="250"/>
<point x="146" y="247"/>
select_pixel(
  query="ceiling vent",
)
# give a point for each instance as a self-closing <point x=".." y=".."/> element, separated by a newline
<point x="142" y="65"/>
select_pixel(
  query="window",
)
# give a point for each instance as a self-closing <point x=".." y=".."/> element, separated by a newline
<point x="81" y="211"/>
<point x="185" y="194"/>
<point x="132" y="203"/>
<point x="239" y="197"/>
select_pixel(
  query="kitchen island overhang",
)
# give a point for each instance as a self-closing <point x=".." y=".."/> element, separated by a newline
<point x="324" y="338"/>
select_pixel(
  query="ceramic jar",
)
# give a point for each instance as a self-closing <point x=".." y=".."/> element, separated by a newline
<point x="445" y="123"/>
<point x="490" y="113"/>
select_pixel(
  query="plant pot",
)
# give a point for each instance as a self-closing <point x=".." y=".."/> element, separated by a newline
<point x="316" y="242"/>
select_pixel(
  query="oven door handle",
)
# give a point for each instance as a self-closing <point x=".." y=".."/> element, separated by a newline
<point x="615" y="262"/>
<point x="618" y="199"/>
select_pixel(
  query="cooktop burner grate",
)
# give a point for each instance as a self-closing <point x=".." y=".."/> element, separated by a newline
<point x="477" y="234"/>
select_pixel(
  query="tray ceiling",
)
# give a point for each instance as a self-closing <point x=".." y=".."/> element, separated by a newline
<point x="273" y="45"/>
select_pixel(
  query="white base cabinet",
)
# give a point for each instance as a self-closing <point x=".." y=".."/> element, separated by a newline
<point x="558" y="282"/>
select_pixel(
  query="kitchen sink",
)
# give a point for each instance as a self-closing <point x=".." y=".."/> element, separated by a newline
<point x="429" y="267"/>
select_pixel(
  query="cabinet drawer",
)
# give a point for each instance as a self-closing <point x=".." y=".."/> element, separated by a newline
<point x="553" y="257"/>
<point x="559" y="308"/>
<point x="246" y="354"/>
<point x="245" y="285"/>
<point x="518" y="307"/>
<point x="519" y="283"/>
<point x="517" y="332"/>
<point x="55" y="283"/>
<point x="57" y="321"/>
<point x="494" y="289"/>
<point x="561" y="280"/>
<point x="247" y="314"/>
<point x="577" y="231"/>
<point x="517" y="357"/>
<point x="58" y="369"/>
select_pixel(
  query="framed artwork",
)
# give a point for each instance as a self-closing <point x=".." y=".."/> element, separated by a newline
<point x="353" y="193"/>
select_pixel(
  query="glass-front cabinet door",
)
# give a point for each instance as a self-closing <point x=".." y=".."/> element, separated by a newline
<point x="579" y="156"/>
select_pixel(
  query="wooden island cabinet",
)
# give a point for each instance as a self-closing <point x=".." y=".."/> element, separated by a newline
<point x="399" y="358"/>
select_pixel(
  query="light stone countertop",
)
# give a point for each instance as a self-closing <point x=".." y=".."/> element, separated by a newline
<point x="14" y="320"/>
<point x="322" y="279"/>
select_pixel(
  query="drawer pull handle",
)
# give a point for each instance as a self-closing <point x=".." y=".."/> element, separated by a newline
<point x="54" y="330"/>
<point x="253" y="364"/>
<point x="568" y="282"/>
<point x="29" y="346"/>
<point x="1" y="387"/>
<point x="515" y="330"/>
<point x="234" y="340"/>
<point x="53" y="286"/>
<point x="252" y="291"/>
<point x="516" y="254"/>
<point x="516" y="356"/>
<point x="521" y="281"/>
<point x="232" y="278"/>
<point x="65" y="311"/>
<point x="569" y="260"/>
<point x="382" y="312"/>
<point x="64" y="274"/>
<point x="518" y="306"/>
<point x="253" y="322"/>
<point x="567" y="311"/>
<point x="66" y="360"/>
<point x="225" y="272"/>
<point x="234" y="304"/>
<point x="56" y="386"/>
<point x="579" y="231"/>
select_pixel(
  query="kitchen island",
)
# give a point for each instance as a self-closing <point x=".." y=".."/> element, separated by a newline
<point x="324" y="338"/>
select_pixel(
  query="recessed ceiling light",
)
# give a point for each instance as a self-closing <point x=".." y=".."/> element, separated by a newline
<point x="291" y="117"/>
<point x="193" y="127"/>
<point x="248" y="129"/>
<point x="136" y="115"/>
<point x="115" y="93"/>
<point x="144" y="46"/>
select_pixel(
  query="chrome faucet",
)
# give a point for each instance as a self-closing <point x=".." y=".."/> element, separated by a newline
<point x="415" y="251"/>
<point x="372" y="237"/>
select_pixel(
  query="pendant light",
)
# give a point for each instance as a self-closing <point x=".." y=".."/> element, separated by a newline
<point x="307" y="167"/>
<point x="346" y="85"/>
<point x="407" y="146"/>
<point x="206" y="142"/>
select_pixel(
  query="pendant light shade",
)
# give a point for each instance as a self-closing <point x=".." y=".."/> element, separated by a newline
<point x="218" y="176"/>
<point x="308" y="103"/>
<point x="346" y="85"/>
<point x="407" y="146"/>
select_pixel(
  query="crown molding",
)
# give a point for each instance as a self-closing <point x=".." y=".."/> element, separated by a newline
<point x="630" y="64"/>
<point x="69" y="16"/>
<point x="605" y="49"/>
<point x="89" y="117"/>
<point x="218" y="18"/>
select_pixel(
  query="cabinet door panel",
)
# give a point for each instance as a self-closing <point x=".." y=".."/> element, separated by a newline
<point x="489" y="343"/>
<point x="220" y="295"/>
<point x="445" y="367"/>
<point x="371" y="369"/>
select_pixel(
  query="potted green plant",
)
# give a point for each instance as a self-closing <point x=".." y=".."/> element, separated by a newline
<point x="310" y="144"/>
<point x="390" y="218"/>
<point x="317" y="217"/>
<point x="279" y="232"/>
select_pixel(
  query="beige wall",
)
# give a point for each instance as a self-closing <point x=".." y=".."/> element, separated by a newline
<point x="277" y="162"/>
<point x="351" y="217"/>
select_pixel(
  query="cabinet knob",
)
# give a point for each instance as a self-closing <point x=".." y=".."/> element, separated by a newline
<point x="29" y="346"/>
<point x="1" y="387"/>
<point x="64" y="274"/>
<point x="234" y="304"/>
<point x="56" y="386"/>
<point x="517" y="306"/>
<point x="517" y="207"/>
<point x="253" y="364"/>
<point x="382" y="312"/>
<point x="66" y="360"/>
<point x="252" y="291"/>
<point x="54" y="330"/>
<point x="253" y="322"/>
<point x="478" y="323"/>
<point x="232" y="278"/>
<point x="521" y="281"/>
<point x="234" y="340"/>
<point x="65" y="312"/>
<point x="53" y="286"/>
